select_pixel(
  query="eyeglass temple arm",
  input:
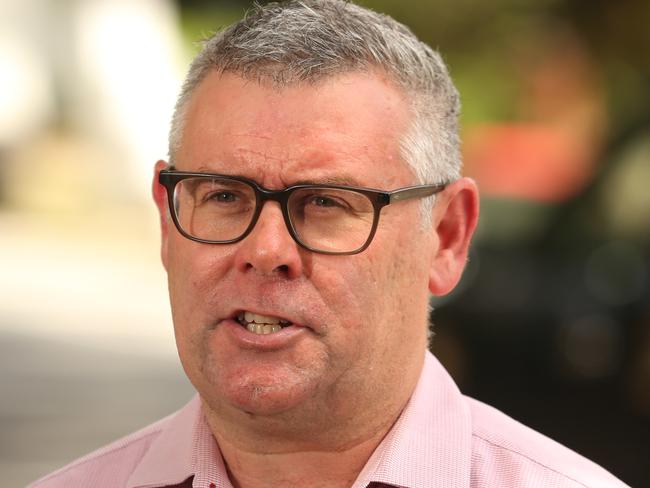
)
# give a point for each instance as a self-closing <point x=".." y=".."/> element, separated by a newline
<point x="415" y="192"/>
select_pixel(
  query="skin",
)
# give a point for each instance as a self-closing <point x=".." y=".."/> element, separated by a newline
<point x="314" y="404"/>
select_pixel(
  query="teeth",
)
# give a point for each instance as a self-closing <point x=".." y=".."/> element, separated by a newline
<point x="261" y="319"/>
<point x="261" y="324"/>
<point x="263" y="329"/>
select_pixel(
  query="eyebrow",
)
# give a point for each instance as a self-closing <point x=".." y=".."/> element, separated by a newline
<point x="342" y="180"/>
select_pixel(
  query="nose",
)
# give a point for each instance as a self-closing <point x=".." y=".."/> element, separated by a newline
<point x="269" y="249"/>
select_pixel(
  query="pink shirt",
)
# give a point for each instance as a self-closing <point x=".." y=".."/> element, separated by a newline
<point x="442" y="440"/>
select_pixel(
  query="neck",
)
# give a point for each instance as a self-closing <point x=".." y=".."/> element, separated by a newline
<point x="317" y="468"/>
<point x="262" y="452"/>
<point x="325" y="440"/>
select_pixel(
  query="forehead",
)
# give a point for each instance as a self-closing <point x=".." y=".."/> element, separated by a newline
<point x="349" y="126"/>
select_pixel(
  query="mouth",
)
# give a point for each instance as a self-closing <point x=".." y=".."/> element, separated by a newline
<point x="261" y="324"/>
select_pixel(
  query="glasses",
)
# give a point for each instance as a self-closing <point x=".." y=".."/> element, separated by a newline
<point x="327" y="219"/>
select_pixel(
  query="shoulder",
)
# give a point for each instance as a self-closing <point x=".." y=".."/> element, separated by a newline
<point x="110" y="465"/>
<point x="506" y="453"/>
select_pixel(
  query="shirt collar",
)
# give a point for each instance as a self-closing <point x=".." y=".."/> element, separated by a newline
<point x="208" y="464"/>
<point x="428" y="447"/>
<point x="171" y="457"/>
<point x="430" y="444"/>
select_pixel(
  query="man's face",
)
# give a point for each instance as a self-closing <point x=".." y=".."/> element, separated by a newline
<point x="359" y="322"/>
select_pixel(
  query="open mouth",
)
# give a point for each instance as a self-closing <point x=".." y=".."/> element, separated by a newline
<point x="261" y="324"/>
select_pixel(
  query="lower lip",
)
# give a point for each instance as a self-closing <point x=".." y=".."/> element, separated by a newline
<point x="268" y="342"/>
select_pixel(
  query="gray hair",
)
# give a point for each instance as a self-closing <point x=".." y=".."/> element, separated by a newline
<point x="310" y="40"/>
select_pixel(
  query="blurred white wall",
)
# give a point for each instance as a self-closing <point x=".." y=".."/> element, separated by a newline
<point x="106" y="72"/>
<point x="87" y="89"/>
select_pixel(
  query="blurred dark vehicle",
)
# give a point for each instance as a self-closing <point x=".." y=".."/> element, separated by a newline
<point x="554" y="328"/>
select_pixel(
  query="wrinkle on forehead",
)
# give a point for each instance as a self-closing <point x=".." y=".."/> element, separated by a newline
<point x="311" y="167"/>
<point x="299" y="133"/>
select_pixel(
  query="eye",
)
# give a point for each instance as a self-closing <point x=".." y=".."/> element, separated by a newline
<point x="326" y="202"/>
<point x="323" y="201"/>
<point x="329" y="203"/>
<point x="222" y="196"/>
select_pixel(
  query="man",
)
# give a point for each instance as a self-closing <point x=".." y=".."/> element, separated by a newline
<point x="299" y="292"/>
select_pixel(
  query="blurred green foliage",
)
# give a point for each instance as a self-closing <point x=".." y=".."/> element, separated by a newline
<point x="481" y="42"/>
<point x="200" y="20"/>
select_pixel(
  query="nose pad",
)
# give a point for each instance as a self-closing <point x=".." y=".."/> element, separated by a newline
<point x="269" y="248"/>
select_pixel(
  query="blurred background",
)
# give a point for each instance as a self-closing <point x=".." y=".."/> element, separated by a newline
<point x="551" y="322"/>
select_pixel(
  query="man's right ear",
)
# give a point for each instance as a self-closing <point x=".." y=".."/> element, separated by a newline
<point x="160" y="197"/>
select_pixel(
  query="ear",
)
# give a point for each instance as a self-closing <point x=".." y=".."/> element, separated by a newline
<point x="454" y="219"/>
<point x="160" y="197"/>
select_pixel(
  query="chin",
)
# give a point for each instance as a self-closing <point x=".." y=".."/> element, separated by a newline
<point x="265" y="401"/>
<point x="260" y="394"/>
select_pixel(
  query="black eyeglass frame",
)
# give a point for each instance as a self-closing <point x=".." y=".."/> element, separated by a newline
<point x="169" y="178"/>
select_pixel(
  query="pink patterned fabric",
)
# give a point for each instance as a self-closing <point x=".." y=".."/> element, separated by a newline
<point x="442" y="440"/>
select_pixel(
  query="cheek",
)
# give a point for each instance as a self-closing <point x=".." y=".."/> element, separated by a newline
<point x="355" y="291"/>
<point x="194" y="273"/>
<point x="400" y="280"/>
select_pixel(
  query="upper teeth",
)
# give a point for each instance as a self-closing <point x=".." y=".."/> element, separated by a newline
<point x="261" y="324"/>
<point x="251" y="317"/>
